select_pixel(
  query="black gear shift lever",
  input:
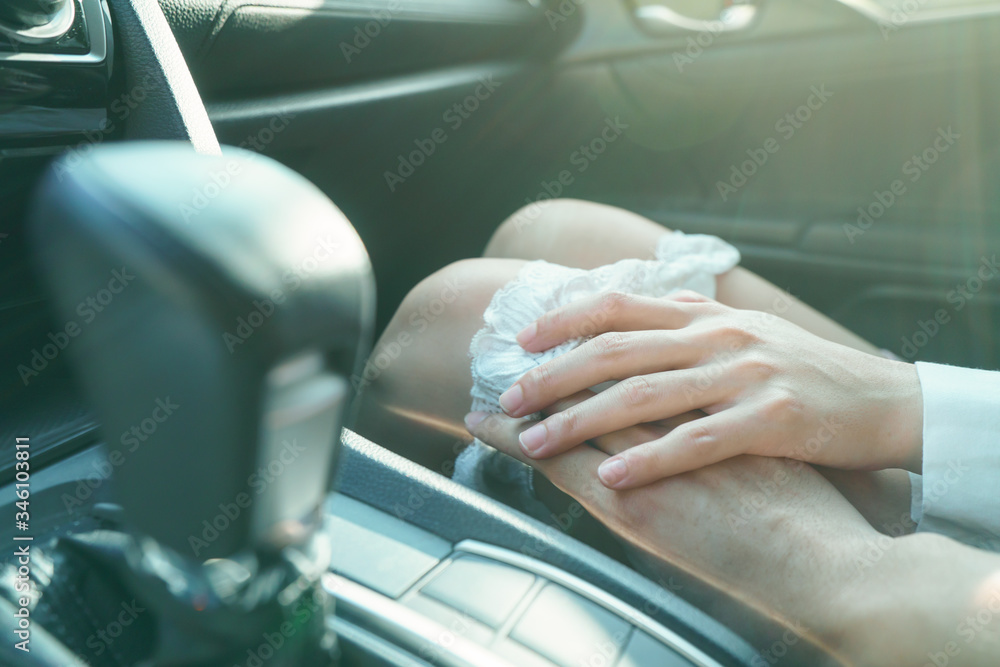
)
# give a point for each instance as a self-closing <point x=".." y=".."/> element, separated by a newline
<point x="215" y="306"/>
<point x="221" y="303"/>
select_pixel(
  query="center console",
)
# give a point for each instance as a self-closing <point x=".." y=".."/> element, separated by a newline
<point x="497" y="586"/>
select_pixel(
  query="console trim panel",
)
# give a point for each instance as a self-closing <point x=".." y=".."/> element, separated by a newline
<point x="592" y="593"/>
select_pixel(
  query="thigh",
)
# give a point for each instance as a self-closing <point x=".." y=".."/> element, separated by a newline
<point x="415" y="386"/>
<point x="415" y="389"/>
<point x="575" y="233"/>
<point x="586" y="235"/>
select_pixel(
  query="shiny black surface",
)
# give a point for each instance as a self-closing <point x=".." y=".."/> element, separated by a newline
<point x="58" y="93"/>
<point x="20" y="14"/>
<point x="75" y="41"/>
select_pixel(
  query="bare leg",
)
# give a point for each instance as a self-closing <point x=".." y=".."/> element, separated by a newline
<point x="416" y="386"/>
<point x="586" y="235"/>
<point x="415" y="389"/>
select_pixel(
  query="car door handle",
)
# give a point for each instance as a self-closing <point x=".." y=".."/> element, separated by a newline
<point x="662" y="21"/>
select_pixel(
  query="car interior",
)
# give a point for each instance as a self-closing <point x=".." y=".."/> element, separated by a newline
<point x="164" y="164"/>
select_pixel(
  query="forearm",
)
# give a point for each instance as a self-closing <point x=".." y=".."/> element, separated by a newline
<point x="883" y="497"/>
<point x="867" y="598"/>
<point x="921" y="599"/>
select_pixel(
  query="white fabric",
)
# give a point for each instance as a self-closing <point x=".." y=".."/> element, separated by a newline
<point x="959" y="492"/>
<point x="682" y="261"/>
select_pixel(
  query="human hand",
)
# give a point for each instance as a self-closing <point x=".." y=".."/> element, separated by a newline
<point x="699" y="522"/>
<point x="768" y="387"/>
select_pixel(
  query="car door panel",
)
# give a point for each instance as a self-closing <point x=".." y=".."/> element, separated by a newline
<point x="697" y="108"/>
<point x="817" y="213"/>
<point x="259" y="48"/>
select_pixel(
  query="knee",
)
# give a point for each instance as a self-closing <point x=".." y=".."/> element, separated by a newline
<point x="535" y="223"/>
<point x="439" y="316"/>
<point x="459" y="291"/>
<point x="421" y="359"/>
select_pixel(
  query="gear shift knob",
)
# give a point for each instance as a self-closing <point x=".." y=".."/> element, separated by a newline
<point x="35" y="21"/>
<point x="218" y="305"/>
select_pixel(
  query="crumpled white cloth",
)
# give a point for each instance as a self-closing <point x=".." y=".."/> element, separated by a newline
<point x="682" y="261"/>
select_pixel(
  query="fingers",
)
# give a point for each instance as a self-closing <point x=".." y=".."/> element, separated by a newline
<point x="688" y="296"/>
<point x="574" y="472"/>
<point x="568" y="402"/>
<point x="691" y="446"/>
<point x="612" y="311"/>
<point x="619" y="441"/>
<point x="637" y="400"/>
<point x="627" y="438"/>
<point x="610" y="356"/>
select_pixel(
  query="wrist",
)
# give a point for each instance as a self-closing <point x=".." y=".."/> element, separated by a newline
<point x="823" y="581"/>
<point x="842" y="620"/>
<point x="864" y="622"/>
<point x="900" y="418"/>
<point x="910" y="601"/>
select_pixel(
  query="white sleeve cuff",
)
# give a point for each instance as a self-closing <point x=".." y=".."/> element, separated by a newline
<point x="961" y="451"/>
<point x="916" y="498"/>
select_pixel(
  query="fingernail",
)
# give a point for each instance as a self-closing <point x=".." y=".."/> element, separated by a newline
<point x="533" y="439"/>
<point x="474" y="419"/>
<point x="527" y="334"/>
<point x="511" y="399"/>
<point x="612" y="472"/>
